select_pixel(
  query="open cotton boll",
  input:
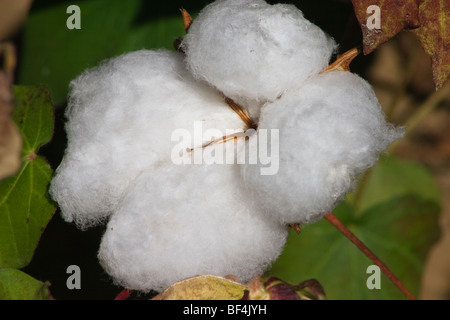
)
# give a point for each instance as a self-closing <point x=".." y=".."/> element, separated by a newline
<point x="251" y="49"/>
<point x="330" y="131"/>
<point x="179" y="221"/>
<point x="121" y="116"/>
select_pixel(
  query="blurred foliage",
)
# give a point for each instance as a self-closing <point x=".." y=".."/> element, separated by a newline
<point x="394" y="210"/>
<point x="54" y="55"/>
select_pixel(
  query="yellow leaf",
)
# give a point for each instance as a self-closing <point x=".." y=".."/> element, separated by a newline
<point x="206" y="287"/>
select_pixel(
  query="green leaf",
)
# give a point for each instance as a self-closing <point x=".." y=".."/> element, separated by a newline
<point x="394" y="177"/>
<point x="25" y="208"/>
<point x="157" y="34"/>
<point x="16" y="285"/>
<point x="399" y="229"/>
<point x="53" y="55"/>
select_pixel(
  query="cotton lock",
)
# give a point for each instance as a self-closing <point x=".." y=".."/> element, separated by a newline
<point x="121" y="116"/>
<point x="330" y="130"/>
<point x="252" y="50"/>
<point x="180" y="221"/>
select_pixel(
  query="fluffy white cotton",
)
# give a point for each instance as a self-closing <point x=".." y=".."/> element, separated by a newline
<point x="250" y="49"/>
<point x="133" y="118"/>
<point x="121" y="117"/>
<point x="181" y="221"/>
<point x="330" y="130"/>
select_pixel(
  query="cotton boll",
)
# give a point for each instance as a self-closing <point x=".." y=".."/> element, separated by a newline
<point x="121" y="117"/>
<point x="181" y="221"/>
<point x="250" y="49"/>
<point x="330" y="131"/>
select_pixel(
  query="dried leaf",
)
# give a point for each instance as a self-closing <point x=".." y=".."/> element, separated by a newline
<point x="187" y="19"/>
<point x="272" y="288"/>
<point x="429" y="20"/>
<point x="10" y="144"/>
<point x="10" y="139"/>
<point x="12" y="14"/>
<point x="311" y="290"/>
<point x="434" y="36"/>
<point x="205" y="287"/>
<point x="394" y="15"/>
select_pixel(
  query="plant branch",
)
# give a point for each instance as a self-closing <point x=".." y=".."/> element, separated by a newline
<point x="123" y="295"/>
<point x="361" y="246"/>
<point x="409" y="70"/>
<point x="428" y="106"/>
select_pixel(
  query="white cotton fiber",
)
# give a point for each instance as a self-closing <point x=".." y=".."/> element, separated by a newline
<point x="179" y="221"/>
<point x="330" y="131"/>
<point x="121" y="116"/>
<point x="143" y="127"/>
<point x="250" y="49"/>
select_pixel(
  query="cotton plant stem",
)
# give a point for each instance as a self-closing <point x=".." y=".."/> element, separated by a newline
<point x="428" y="106"/>
<point x="123" y="295"/>
<point x="410" y="68"/>
<point x="361" y="246"/>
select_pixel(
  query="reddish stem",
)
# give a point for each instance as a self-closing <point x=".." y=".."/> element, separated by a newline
<point x="123" y="295"/>
<point x="361" y="246"/>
